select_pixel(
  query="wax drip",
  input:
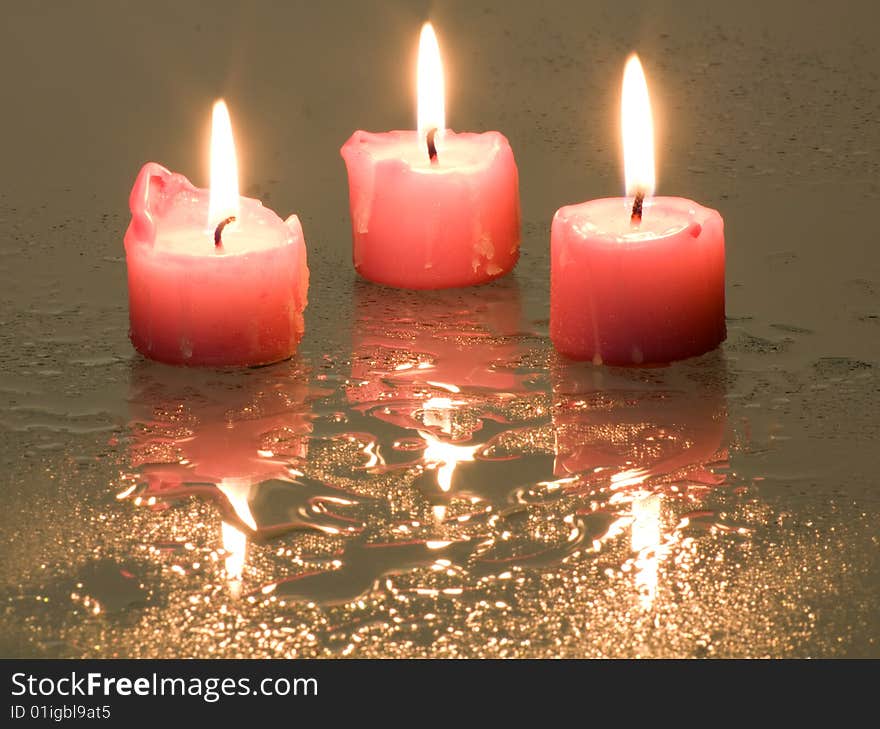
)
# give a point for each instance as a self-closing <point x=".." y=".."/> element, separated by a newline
<point x="637" y="208"/>
<point x="432" y="148"/>
<point x="218" y="231"/>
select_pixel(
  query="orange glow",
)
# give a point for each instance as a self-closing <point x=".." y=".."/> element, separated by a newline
<point x="637" y="127"/>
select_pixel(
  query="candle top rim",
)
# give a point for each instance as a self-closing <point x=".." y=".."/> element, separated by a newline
<point x="183" y="229"/>
<point x="607" y="219"/>
<point x="456" y="151"/>
<point x="170" y="215"/>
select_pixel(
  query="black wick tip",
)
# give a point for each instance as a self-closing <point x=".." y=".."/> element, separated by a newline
<point x="637" y="207"/>
<point x="432" y="148"/>
<point x="218" y="231"/>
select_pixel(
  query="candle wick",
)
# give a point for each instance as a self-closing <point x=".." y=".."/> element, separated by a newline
<point x="218" y="231"/>
<point x="432" y="148"/>
<point x="637" y="208"/>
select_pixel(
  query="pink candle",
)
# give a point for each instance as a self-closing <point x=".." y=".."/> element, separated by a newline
<point x="431" y="208"/>
<point x="639" y="279"/>
<point x="213" y="278"/>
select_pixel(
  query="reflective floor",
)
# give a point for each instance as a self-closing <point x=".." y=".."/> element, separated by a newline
<point x="426" y="477"/>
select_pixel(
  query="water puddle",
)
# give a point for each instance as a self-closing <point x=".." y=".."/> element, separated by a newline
<point x="443" y="460"/>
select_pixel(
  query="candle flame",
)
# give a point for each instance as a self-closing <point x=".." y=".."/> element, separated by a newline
<point x="431" y="93"/>
<point x="637" y="126"/>
<point x="224" y="200"/>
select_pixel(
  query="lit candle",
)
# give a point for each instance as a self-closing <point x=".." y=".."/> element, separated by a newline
<point x="431" y="208"/>
<point x="638" y="279"/>
<point x="213" y="278"/>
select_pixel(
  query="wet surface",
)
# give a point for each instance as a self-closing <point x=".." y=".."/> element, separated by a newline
<point x="426" y="477"/>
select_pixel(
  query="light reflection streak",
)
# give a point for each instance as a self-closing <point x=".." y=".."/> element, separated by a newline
<point x="234" y="542"/>
<point x="646" y="539"/>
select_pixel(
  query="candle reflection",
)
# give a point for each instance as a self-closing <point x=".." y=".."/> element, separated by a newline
<point x="634" y="425"/>
<point x="417" y="346"/>
<point x="643" y="439"/>
<point x="442" y="367"/>
<point x="237" y="439"/>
